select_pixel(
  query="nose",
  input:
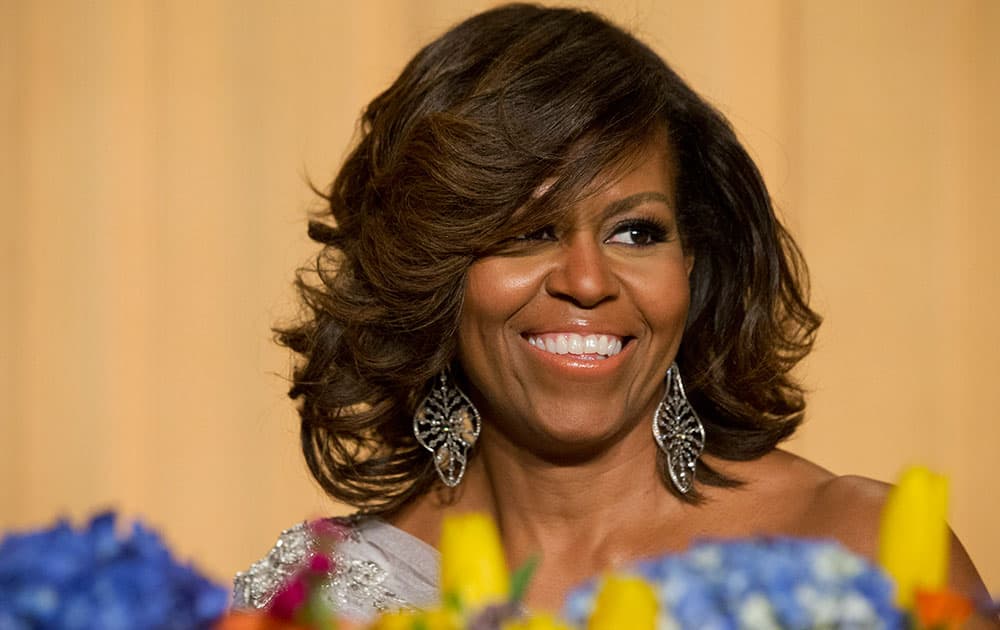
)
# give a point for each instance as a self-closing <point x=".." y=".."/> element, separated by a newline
<point x="583" y="273"/>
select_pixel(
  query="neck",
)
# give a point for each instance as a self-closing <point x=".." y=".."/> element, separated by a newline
<point x="579" y="518"/>
<point x="553" y="508"/>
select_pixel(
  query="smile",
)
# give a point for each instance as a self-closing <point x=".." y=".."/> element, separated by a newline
<point x="572" y="343"/>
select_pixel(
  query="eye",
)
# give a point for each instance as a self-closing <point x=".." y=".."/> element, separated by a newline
<point x="639" y="233"/>
<point x="547" y="233"/>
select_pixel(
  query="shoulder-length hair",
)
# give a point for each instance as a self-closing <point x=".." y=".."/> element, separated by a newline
<point x="445" y="169"/>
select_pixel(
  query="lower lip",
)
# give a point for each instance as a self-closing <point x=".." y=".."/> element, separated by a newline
<point x="581" y="365"/>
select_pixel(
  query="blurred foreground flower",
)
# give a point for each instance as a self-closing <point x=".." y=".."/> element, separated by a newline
<point x="536" y="622"/>
<point x="473" y="568"/>
<point x="624" y="602"/>
<point x="433" y="619"/>
<point x="913" y="540"/>
<point x="95" y="578"/>
<point x="915" y="547"/>
<point x="942" y="609"/>
<point x="761" y="583"/>
<point x="241" y="620"/>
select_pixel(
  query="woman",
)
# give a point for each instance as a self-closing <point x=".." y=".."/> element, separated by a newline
<point x="553" y="289"/>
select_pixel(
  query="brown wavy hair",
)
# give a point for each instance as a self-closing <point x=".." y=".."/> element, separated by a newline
<point x="444" y="170"/>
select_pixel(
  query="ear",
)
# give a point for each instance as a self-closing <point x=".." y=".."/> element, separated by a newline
<point x="688" y="263"/>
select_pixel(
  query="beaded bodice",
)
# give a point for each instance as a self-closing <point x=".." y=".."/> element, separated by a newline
<point x="375" y="567"/>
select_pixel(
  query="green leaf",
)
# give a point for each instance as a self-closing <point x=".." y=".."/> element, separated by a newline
<point x="316" y="613"/>
<point x="521" y="577"/>
<point x="452" y="601"/>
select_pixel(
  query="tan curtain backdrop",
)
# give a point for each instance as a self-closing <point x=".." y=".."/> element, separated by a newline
<point x="153" y="160"/>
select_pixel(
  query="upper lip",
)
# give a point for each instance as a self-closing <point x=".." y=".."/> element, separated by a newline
<point x="578" y="327"/>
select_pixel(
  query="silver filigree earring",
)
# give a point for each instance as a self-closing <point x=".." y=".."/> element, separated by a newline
<point x="447" y="424"/>
<point x="678" y="432"/>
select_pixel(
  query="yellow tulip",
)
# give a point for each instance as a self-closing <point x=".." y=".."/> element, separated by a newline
<point x="433" y="619"/>
<point x="624" y="602"/>
<point x="473" y="569"/>
<point x="396" y="620"/>
<point x="914" y="539"/>
<point x="441" y="619"/>
<point x="536" y="622"/>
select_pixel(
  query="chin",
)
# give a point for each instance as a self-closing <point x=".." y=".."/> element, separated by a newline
<point x="571" y="442"/>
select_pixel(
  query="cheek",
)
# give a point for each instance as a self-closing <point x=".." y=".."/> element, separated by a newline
<point x="674" y="296"/>
<point x="662" y="294"/>
<point x="495" y="289"/>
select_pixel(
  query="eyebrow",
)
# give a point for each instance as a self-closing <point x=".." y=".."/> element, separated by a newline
<point x="625" y="204"/>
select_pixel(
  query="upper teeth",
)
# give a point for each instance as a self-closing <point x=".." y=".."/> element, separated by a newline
<point x="572" y="343"/>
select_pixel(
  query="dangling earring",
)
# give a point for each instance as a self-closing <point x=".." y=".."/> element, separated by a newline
<point x="447" y="424"/>
<point x="678" y="432"/>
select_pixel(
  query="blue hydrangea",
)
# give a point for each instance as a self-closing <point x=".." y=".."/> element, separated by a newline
<point x="763" y="583"/>
<point x="95" y="578"/>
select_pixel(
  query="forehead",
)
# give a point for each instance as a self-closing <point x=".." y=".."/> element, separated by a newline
<point x="645" y="166"/>
<point x="648" y="164"/>
<point x="648" y="169"/>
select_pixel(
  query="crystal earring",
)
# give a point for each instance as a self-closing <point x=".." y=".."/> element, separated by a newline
<point x="447" y="424"/>
<point x="678" y="432"/>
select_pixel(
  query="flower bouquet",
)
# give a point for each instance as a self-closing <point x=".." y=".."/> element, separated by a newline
<point x="757" y="583"/>
<point x="96" y="577"/>
<point x="767" y="583"/>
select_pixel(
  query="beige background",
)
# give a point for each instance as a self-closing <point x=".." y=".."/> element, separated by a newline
<point x="152" y="209"/>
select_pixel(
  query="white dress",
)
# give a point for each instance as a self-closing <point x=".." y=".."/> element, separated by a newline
<point x="376" y="567"/>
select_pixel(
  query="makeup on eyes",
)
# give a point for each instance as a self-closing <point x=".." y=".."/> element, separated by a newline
<point x="642" y="231"/>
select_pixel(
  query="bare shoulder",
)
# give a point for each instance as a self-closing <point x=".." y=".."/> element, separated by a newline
<point x="778" y="471"/>
<point x="816" y="501"/>
<point x="848" y="509"/>
<point x="802" y="485"/>
<point x="851" y="496"/>
<point x="805" y="499"/>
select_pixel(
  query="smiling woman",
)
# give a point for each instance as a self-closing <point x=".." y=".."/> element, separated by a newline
<point x="612" y="273"/>
<point x="553" y="288"/>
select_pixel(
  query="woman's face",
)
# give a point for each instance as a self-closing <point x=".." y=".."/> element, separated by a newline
<point x="565" y="338"/>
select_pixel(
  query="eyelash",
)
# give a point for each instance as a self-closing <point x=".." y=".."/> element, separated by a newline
<point x="655" y="230"/>
<point x="547" y="233"/>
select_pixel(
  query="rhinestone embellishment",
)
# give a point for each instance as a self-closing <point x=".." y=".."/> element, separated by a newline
<point x="678" y="432"/>
<point x="351" y="583"/>
<point x="447" y="424"/>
